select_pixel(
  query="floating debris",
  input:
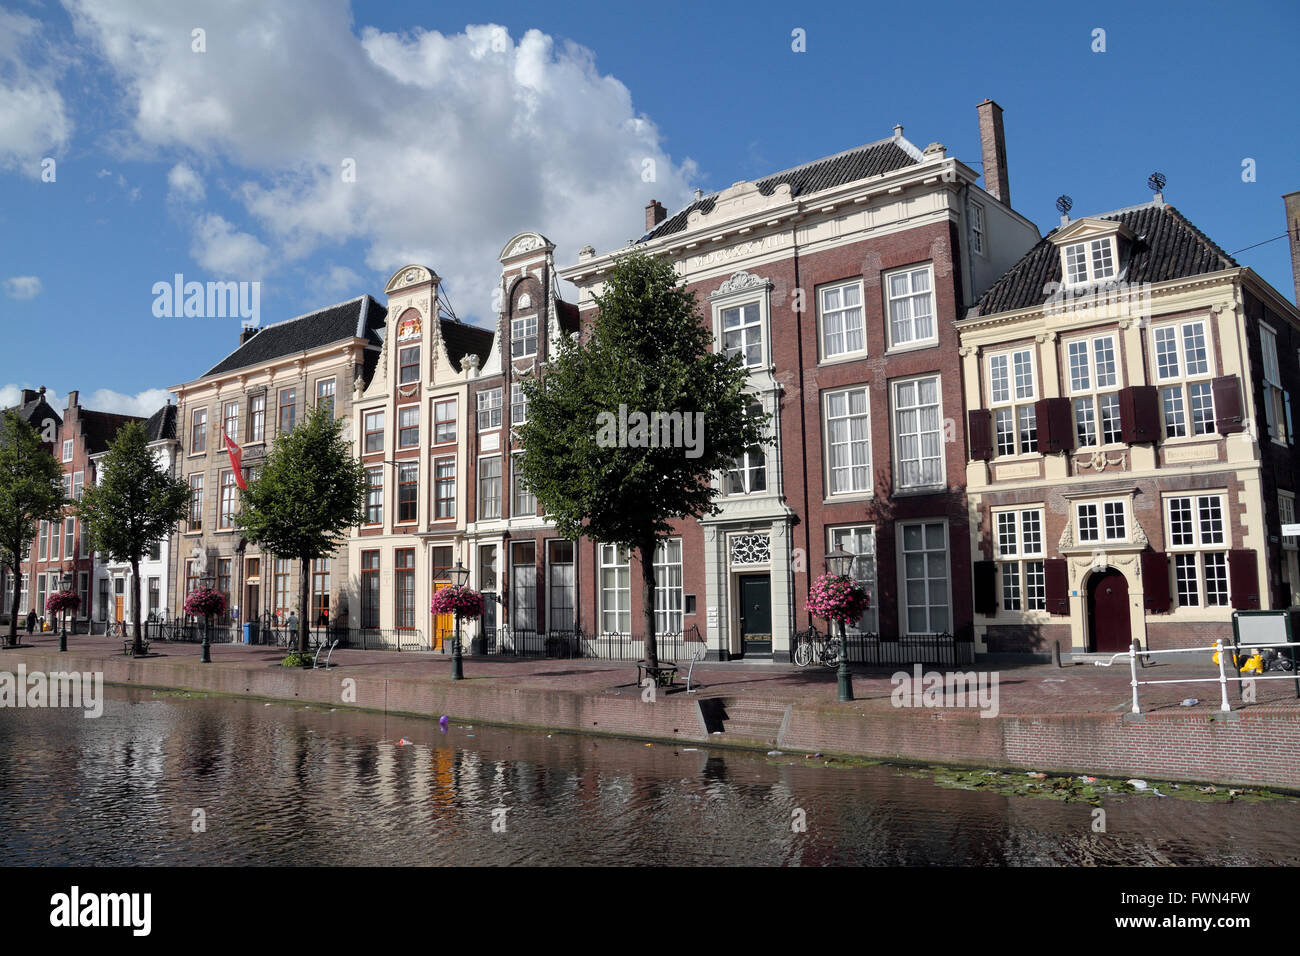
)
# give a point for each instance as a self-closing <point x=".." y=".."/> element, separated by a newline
<point x="1036" y="775"/>
<point x="402" y="741"/>
<point x="774" y="753"/>
<point x="1190" y="702"/>
<point x="1137" y="784"/>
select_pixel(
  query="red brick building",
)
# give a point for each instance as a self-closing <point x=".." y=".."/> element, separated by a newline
<point x="839" y="281"/>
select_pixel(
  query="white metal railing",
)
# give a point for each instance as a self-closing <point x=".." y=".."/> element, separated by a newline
<point x="1222" y="680"/>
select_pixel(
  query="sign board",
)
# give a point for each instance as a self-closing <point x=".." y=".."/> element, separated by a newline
<point x="1252" y="628"/>
<point x="1290" y="530"/>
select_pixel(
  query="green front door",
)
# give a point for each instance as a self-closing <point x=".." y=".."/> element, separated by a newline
<point x="755" y="614"/>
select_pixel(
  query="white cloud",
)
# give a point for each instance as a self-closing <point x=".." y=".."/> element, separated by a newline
<point x="459" y="140"/>
<point x="22" y="287"/>
<point x="184" y="184"/>
<point x="142" y="404"/>
<point x="227" y="252"/>
<point x="34" y="122"/>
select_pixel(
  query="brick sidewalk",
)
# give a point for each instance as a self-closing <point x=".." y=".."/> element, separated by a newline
<point x="1025" y="690"/>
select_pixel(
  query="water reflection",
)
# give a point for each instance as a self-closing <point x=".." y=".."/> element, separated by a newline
<point x="289" y="785"/>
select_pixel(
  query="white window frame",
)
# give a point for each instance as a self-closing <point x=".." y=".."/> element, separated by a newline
<point x="1202" y="545"/>
<point x="896" y="433"/>
<point x="523" y="337"/>
<point x="518" y="404"/>
<point x="843" y="312"/>
<point x="569" y="588"/>
<point x="405" y="412"/>
<point x="67" y="449"/>
<point x="758" y="323"/>
<point x="829" y="444"/>
<point x="1101" y="505"/>
<point x="750" y="464"/>
<point x="1290" y="544"/>
<point x="1017" y="406"/>
<point x="616" y="559"/>
<point x="1016" y="560"/>
<point x="1276" y="401"/>
<point x="1176" y="389"/>
<point x="670" y="589"/>
<point x="1090" y="250"/>
<point x="887" y="284"/>
<point x="905" y="617"/>
<point x="489" y="408"/>
<point x="859" y="541"/>
<point x="1092" y="396"/>
<point x="520" y="496"/>
<point x="482" y="515"/>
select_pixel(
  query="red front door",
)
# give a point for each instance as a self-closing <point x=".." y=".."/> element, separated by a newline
<point x="1108" y="621"/>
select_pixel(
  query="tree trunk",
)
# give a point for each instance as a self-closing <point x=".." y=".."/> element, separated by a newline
<point x="647" y="551"/>
<point x="12" y="638"/>
<point x="137" y="647"/>
<point x="304" y="605"/>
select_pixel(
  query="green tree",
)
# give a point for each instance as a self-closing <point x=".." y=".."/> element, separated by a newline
<point x="649" y="353"/>
<point x="31" y="491"/>
<point x="309" y="493"/>
<point x="134" y="504"/>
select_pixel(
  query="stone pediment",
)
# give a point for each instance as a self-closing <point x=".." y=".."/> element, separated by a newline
<point x="737" y="200"/>
<point x="408" y="276"/>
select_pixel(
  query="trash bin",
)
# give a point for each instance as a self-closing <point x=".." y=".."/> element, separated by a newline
<point x="250" y="632"/>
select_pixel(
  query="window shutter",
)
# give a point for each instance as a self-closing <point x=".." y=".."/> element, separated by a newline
<point x="1139" y="414"/>
<point x="986" y="587"/>
<point x="980" y="428"/>
<point x="1057" y="582"/>
<point x="1155" y="581"/>
<point x="1284" y="594"/>
<point x="1055" y="425"/>
<point x="1243" y="580"/>
<point x="1290" y="431"/>
<point x="1227" y="404"/>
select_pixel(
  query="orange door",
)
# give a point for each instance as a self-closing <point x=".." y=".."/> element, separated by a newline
<point x="117" y="608"/>
<point x="444" y="625"/>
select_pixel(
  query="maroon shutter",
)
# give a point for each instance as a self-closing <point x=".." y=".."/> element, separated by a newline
<point x="1243" y="580"/>
<point x="980" y="429"/>
<point x="1055" y="425"/>
<point x="1155" y="581"/>
<point x="1227" y="404"/>
<point x="986" y="587"/>
<point x="1139" y="414"/>
<point x="1057" y="582"/>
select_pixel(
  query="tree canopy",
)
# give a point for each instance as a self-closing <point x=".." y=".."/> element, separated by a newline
<point x="31" y="491"/>
<point x="627" y="429"/>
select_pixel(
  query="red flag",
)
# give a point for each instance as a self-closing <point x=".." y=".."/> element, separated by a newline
<point x="236" y="456"/>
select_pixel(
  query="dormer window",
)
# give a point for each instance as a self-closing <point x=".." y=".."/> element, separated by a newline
<point x="1090" y="261"/>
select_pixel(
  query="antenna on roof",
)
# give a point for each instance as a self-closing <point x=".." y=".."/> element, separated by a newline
<point x="1063" y="205"/>
<point x="1156" y="183"/>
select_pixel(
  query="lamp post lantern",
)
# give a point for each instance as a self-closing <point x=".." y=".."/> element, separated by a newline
<point x="839" y="562"/>
<point x="459" y="576"/>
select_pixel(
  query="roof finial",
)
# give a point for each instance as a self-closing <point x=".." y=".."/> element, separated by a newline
<point x="1156" y="183"/>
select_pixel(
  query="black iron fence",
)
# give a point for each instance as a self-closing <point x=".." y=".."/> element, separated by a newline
<point x="520" y="642"/>
<point x="940" y="650"/>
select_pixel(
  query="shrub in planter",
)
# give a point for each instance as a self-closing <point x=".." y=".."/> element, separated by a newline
<point x="298" y="660"/>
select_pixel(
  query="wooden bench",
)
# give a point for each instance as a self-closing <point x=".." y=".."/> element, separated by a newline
<point x="129" y="643"/>
<point x="663" y="675"/>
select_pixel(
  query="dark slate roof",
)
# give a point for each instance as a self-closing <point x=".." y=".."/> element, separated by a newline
<point x="100" y="428"/>
<point x="161" y="425"/>
<point x="460" y="339"/>
<point x="1167" y="247"/>
<point x="34" y="409"/>
<point x="361" y="317"/>
<point x="859" y="163"/>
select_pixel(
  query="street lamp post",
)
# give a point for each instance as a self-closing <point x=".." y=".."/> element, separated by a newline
<point x="63" y="633"/>
<point x="839" y="562"/>
<point x="459" y="575"/>
<point x="205" y="657"/>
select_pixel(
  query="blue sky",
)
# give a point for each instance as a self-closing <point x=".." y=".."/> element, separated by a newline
<point x="464" y="127"/>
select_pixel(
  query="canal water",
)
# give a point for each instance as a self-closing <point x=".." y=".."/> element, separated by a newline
<point x="171" y="779"/>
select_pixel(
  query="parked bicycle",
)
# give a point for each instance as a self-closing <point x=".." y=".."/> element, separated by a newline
<point x="812" y="647"/>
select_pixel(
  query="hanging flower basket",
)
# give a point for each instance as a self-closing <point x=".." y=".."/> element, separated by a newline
<point x="838" y="598"/>
<point x="61" y="601"/>
<point x="458" y="599"/>
<point x="205" y="602"/>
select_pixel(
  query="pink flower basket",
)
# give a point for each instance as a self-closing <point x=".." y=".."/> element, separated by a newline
<point x="61" y="601"/>
<point x="205" y="602"/>
<point x="838" y="598"/>
<point x="458" y="599"/>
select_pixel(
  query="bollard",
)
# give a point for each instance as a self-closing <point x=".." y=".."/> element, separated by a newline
<point x="1056" y="653"/>
<point x="1223" y="681"/>
<point x="1133" y="673"/>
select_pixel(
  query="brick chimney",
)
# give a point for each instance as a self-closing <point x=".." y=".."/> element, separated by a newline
<point x="1292" y="201"/>
<point x="994" y="145"/>
<point x="655" y="213"/>
<point x="247" y="332"/>
<point x="29" y="395"/>
<point x="72" y="398"/>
